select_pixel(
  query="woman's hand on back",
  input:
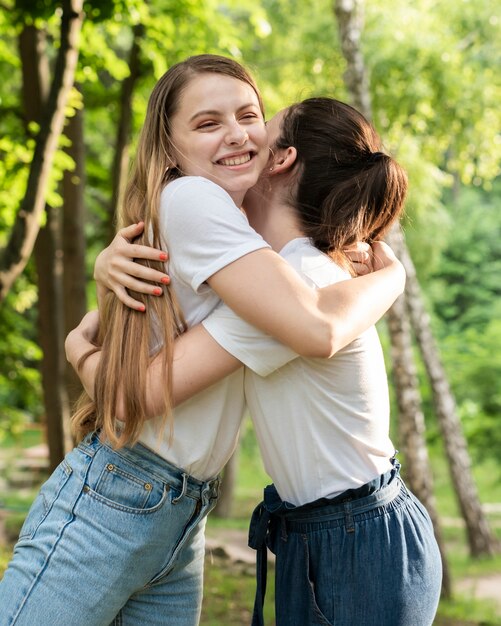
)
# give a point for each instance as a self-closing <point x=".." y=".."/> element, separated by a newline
<point x="360" y="255"/>
<point x="116" y="270"/>
<point x="368" y="258"/>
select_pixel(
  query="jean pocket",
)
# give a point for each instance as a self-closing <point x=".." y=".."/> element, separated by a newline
<point x="45" y="499"/>
<point x="122" y="486"/>
<point x="316" y="608"/>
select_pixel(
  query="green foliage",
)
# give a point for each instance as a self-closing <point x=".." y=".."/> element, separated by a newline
<point x="20" y="392"/>
<point x="466" y="286"/>
<point x="474" y="367"/>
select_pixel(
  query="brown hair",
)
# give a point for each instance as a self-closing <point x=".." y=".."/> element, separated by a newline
<point x="346" y="189"/>
<point x="129" y="339"/>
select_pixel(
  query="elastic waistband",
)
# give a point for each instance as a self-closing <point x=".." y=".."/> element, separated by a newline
<point x="155" y="465"/>
<point x="325" y="512"/>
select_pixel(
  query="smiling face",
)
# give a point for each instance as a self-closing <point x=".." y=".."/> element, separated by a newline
<point x="218" y="132"/>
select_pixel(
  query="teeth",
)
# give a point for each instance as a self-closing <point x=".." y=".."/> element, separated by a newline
<point x="236" y="160"/>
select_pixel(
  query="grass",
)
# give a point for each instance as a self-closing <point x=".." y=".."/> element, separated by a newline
<point x="229" y="588"/>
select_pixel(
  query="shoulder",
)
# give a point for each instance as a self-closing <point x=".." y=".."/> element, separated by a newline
<point x="315" y="267"/>
<point x="190" y="188"/>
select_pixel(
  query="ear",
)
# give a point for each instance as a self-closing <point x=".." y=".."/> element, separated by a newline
<point x="283" y="161"/>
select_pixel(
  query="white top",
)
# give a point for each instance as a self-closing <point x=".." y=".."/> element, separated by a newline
<point x="204" y="231"/>
<point x="322" y="424"/>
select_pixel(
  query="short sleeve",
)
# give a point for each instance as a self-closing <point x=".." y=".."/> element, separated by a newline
<point x="203" y="229"/>
<point x="256" y="350"/>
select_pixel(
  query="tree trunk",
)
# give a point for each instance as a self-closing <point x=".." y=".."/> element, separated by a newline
<point x="225" y="501"/>
<point x="411" y="423"/>
<point x="15" y="255"/>
<point x="121" y="157"/>
<point x="73" y="243"/>
<point x="49" y="264"/>
<point x="35" y="72"/>
<point x="481" y="540"/>
<point x="349" y="14"/>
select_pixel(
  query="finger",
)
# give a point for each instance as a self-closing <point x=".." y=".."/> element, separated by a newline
<point x="361" y="269"/>
<point x="138" y="251"/>
<point x="122" y="270"/>
<point x="359" y="256"/>
<point x="361" y="246"/>
<point x="131" y="283"/>
<point x="129" y="301"/>
<point x="132" y="231"/>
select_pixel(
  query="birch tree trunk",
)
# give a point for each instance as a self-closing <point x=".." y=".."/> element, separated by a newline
<point x="349" y="15"/>
<point x="411" y="423"/>
<point x="15" y="255"/>
<point x="481" y="539"/>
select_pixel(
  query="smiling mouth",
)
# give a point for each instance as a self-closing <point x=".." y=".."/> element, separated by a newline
<point x="236" y="160"/>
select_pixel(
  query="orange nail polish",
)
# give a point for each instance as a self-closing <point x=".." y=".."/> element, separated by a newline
<point x="141" y="308"/>
<point x="165" y="280"/>
<point x="157" y="291"/>
<point x="163" y="256"/>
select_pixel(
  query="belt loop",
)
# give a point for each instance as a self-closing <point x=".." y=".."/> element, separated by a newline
<point x="183" y="489"/>
<point x="348" y="517"/>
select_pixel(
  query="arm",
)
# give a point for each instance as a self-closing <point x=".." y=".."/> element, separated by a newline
<point x="199" y="362"/>
<point x="311" y="322"/>
<point x="314" y="323"/>
<point x="211" y="241"/>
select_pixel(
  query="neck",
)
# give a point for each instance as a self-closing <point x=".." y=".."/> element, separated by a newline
<point x="272" y="218"/>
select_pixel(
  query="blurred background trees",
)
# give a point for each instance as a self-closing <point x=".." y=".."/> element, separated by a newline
<point x="434" y="82"/>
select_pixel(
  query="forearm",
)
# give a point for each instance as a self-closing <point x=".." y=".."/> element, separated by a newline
<point x="76" y="347"/>
<point x="198" y="362"/>
<point x="314" y="323"/>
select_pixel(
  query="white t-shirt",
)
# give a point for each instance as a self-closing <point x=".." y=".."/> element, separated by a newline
<point x="322" y="424"/>
<point x="204" y="231"/>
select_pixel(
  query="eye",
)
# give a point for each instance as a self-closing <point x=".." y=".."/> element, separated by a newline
<point x="207" y="125"/>
<point x="249" y="116"/>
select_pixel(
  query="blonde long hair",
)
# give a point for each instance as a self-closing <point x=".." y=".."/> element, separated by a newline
<point x="129" y="340"/>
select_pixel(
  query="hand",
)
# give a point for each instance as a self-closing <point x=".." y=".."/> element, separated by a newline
<point x="382" y="256"/>
<point x="360" y="255"/>
<point x="116" y="270"/>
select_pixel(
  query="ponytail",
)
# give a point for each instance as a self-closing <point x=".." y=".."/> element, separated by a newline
<point x="346" y="189"/>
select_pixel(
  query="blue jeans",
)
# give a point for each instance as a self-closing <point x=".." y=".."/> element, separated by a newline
<point x="367" y="558"/>
<point x="113" y="537"/>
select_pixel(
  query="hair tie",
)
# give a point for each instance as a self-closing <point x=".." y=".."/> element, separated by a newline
<point x="375" y="156"/>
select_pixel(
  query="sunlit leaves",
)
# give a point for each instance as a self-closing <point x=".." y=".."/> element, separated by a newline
<point x="432" y="67"/>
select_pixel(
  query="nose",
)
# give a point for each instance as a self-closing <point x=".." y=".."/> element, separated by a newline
<point x="237" y="134"/>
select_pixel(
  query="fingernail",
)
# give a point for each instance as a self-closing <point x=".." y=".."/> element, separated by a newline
<point x="141" y="308"/>
<point x="157" y="291"/>
<point x="163" y="256"/>
<point x="165" y="280"/>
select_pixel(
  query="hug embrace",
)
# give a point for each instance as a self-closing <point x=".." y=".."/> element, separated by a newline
<point x="276" y="277"/>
